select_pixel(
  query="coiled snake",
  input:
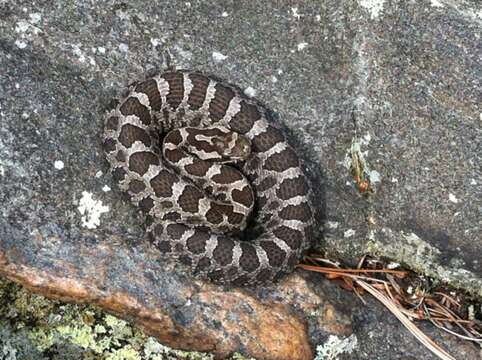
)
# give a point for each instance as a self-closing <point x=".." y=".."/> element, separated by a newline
<point x="224" y="166"/>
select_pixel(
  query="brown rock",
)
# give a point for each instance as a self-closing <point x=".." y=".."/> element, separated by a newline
<point x="265" y="323"/>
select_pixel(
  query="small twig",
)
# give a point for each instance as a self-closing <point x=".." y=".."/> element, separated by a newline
<point x="404" y="305"/>
<point x="448" y="298"/>
<point x="468" y="337"/>
<point x="450" y="315"/>
<point x="424" y="339"/>
<point x="344" y="272"/>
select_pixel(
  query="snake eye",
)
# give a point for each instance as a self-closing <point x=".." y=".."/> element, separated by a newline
<point x="242" y="148"/>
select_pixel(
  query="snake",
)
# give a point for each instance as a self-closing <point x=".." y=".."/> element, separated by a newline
<point x="221" y="189"/>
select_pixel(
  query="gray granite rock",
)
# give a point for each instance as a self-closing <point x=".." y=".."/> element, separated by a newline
<point x="396" y="84"/>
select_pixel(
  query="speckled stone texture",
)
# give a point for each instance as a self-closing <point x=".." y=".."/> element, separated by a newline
<point x="399" y="80"/>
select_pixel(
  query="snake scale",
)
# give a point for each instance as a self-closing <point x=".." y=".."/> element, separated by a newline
<point x="203" y="161"/>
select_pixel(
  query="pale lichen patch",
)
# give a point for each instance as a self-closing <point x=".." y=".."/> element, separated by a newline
<point x="332" y="224"/>
<point x="123" y="47"/>
<point x="335" y="346"/>
<point x="301" y="45"/>
<point x="218" y="57"/>
<point x="453" y="198"/>
<point x="35" y="18"/>
<point x="155" y="42"/>
<point x="294" y="11"/>
<point x="90" y="210"/>
<point x="349" y="233"/>
<point x="374" y="7"/>
<point x="59" y="164"/>
<point x="20" y="44"/>
<point x="78" y="52"/>
<point x="250" y="92"/>
<point x="436" y="3"/>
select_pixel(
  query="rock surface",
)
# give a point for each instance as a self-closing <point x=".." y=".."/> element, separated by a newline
<point x="397" y="84"/>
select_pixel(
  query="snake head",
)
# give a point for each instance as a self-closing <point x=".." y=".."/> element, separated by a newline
<point x="233" y="147"/>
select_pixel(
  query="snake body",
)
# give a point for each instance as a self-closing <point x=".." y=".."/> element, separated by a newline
<point x="203" y="161"/>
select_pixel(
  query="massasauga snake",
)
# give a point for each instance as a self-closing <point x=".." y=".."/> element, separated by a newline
<point x="203" y="161"/>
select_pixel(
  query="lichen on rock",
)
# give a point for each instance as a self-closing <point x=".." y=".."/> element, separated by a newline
<point x="33" y="327"/>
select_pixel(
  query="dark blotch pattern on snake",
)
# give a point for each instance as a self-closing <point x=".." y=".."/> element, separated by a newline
<point x="202" y="161"/>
